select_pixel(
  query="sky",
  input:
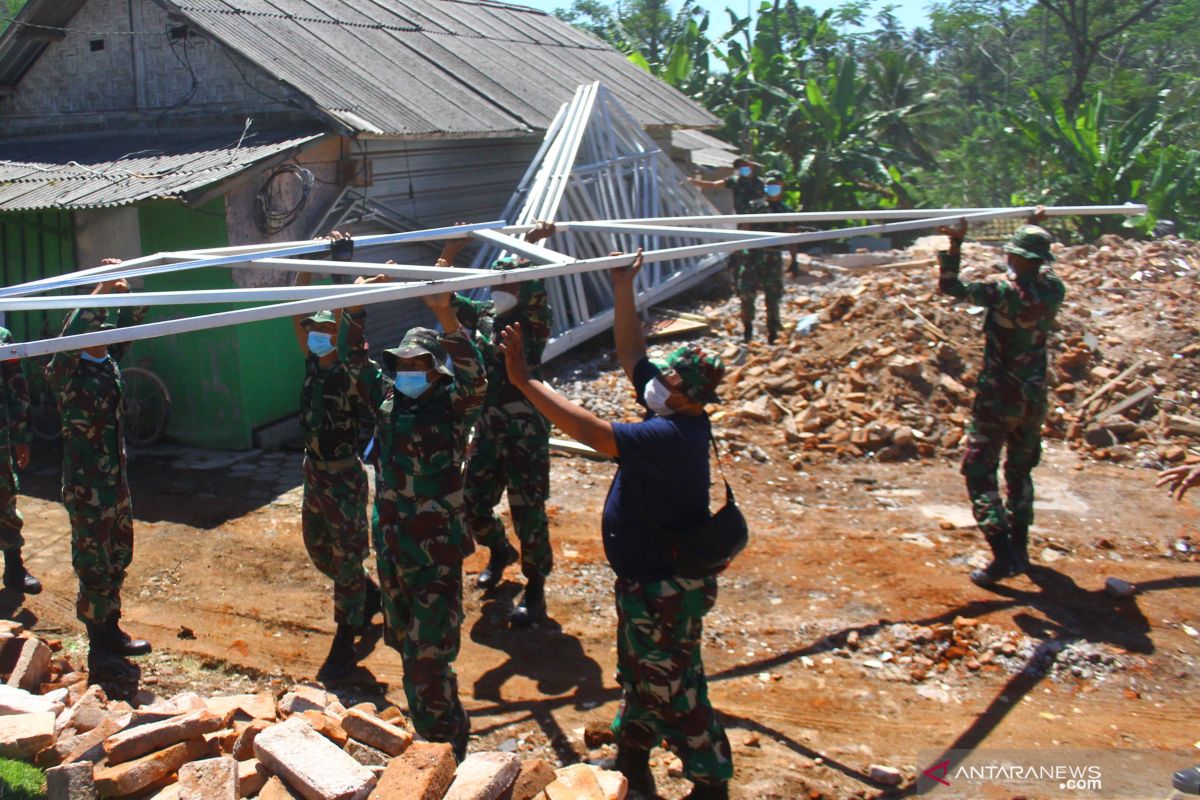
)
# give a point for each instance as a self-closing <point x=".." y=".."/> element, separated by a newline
<point x="911" y="13"/>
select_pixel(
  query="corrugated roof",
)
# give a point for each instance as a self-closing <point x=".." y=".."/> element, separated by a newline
<point x="118" y="169"/>
<point x="423" y="68"/>
<point x="706" y="151"/>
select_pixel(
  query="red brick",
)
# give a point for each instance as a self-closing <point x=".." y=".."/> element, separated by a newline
<point x="422" y="772"/>
<point x="32" y="667"/>
<point x="369" y="729"/>
<point x="157" y="735"/>
<point x="23" y="735"/>
<point x="133" y="776"/>
<point x="311" y="764"/>
<point x="209" y="779"/>
<point x="484" y="776"/>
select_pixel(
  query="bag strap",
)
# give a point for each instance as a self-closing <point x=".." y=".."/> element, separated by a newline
<point x="716" y="453"/>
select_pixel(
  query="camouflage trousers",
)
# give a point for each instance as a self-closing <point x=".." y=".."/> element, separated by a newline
<point x="422" y="606"/>
<point x="101" y="546"/>
<point x="511" y="451"/>
<point x="334" y="522"/>
<point x="760" y="270"/>
<point x="664" y="694"/>
<point x="10" y="518"/>
<point x="1017" y="426"/>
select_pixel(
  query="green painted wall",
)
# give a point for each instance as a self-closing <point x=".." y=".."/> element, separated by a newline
<point x="35" y="245"/>
<point x="224" y="382"/>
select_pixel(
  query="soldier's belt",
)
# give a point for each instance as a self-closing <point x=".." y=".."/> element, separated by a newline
<point x="332" y="466"/>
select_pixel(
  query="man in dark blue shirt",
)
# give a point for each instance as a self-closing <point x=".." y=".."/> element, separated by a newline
<point x="662" y="479"/>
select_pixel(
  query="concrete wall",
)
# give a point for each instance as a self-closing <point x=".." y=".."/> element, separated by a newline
<point x="149" y="72"/>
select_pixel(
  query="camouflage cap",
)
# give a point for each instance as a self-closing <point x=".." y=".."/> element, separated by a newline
<point x="1031" y="241"/>
<point x="510" y="261"/>
<point x="318" y="318"/>
<point x="774" y="176"/>
<point x="416" y="343"/>
<point x="699" y="372"/>
<point x="745" y="158"/>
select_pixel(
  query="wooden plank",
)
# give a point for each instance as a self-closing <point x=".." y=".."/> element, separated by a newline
<point x="1108" y="387"/>
<point x="572" y="447"/>
<point x="1129" y="402"/>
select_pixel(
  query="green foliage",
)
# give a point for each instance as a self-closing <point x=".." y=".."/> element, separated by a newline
<point x="21" y="781"/>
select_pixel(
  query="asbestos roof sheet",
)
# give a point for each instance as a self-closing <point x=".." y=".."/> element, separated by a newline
<point x="428" y="68"/>
<point x="115" y="169"/>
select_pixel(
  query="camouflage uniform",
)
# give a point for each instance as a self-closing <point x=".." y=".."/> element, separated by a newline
<point x="334" y="514"/>
<point x="745" y="191"/>
<point x="1010" y="401"/>
<point x="664" y="694"/>
<point x="95" y="486"/>
<point x="762" y="268"/>
<point x="14" y="431"/>
<point x="511" y="446"/>
<point x="418" y="532"/>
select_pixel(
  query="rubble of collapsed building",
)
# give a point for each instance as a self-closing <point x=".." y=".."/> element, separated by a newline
<point x="875" y="363"/>
<point x="302" y="745"/>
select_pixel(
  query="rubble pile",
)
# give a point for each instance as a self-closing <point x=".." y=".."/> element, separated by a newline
<point x="304" y="744"/>
<point x="875" y="363"/>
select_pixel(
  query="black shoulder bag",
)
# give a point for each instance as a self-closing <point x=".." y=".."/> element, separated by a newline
<point x="709" y="547"/>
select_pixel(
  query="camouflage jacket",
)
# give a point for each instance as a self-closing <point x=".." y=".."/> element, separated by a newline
<point x="764" y="206"/>
<point x="331" y="410"/>
<point x="745" y="190"/>
<point x="89" y="400"/>
<point x="1020" y="315"/>
<point x="14" y="401"/>
<point x="421" y="442"/>
<point x="536" y="318"/>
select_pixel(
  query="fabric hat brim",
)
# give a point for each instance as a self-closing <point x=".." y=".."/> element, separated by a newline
<point x="706" y="395"/>
<point x="1009" y="247"/>
<point x="413" y="351"/>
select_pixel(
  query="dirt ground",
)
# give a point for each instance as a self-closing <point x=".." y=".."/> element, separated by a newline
<point x="876" y="553"/>
<point x="847" y="635"/>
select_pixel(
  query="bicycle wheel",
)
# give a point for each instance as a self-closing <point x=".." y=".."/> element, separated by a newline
<point x="146" y="406"/>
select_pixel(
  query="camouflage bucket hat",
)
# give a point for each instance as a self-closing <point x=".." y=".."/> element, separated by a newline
<point x="1031" y="241"/>
<point x="699" y="372"/>
<point x="416" y="343"/>
<point x="774" y="176"/>
<point x="318" y="318"/>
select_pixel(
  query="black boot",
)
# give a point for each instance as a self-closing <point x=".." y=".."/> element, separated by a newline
<point x="634" y="764"/>
<point x="1020" y="552"/>
<point x="1002" y="562"/>
<point x="121" y="642"/>
<point x="374" y="603"/>
<point x="708" y="791"/>
<point x="500" y="558"/>
<point x="343" y="657"/>
<point x="104" y="663"/>
<point x="16" y="577"/>
<point x="532" y="607"/>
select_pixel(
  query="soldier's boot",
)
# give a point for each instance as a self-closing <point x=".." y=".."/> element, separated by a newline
<point x="634" y="764"/>
<point x="747" y="332"/>
<point x="1001" y="565"/>
<point x="500" y="558"/>
<point x="121" y="642"/>
<point x="708" y="791"/>
<point x="343" y="657"/>
<point x="374" y="602"/>
<point x="104" y="663"/>
<point x="462" y="737"/>
<point x="532" y="607"/>
<point x="1020" y="552"/>
<point x="16" y="577"/>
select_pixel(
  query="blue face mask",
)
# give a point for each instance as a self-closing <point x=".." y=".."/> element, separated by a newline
<point x="744" y="172"/>
<point x="86" y="356"/>
<point x="773" y="190"/>
<point x="320" y="344"/>
<point x="412" y="384"/>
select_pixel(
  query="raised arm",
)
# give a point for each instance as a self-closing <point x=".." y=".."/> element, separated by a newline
<point x="978" y="292"/>
<point x="627" y="328"/>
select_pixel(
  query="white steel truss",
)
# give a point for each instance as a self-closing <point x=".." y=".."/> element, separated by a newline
<point x="416" y="281"/>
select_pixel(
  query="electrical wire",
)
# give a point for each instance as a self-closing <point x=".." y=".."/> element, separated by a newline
<point x="271" y="220"/>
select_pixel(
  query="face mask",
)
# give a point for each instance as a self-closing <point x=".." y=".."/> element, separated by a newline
<point x="320" y="344"/>
<point x="86" y="356"/>
<point x="773" y="190"/>
<point x="503" y="301"/>
<point x="744" y="172"/>
<point x="412" y="384"/>
<point x="656" y="395"/>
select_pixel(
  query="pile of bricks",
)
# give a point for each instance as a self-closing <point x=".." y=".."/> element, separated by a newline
<point x="888" y="369"/>
<point x="304" y="745"/>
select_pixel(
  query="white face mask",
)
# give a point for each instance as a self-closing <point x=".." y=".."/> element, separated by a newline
<point x="503" y="301"/>
<point x="656" y="395"/>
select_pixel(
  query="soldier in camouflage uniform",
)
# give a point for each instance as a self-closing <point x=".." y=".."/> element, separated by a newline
<point x="87" y="385"/>
<point x="762" y="268"/>
<point x="1010" y="401"/>
<point x="334" y="512"/>
<point x="744" y="183"/>
<point x="662" y="479"/>
<point x="511" y="446"/>
<point x="424" y="413"/>
<point x="14" y="455"/>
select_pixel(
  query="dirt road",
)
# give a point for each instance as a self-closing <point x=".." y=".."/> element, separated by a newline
<point x="846" y="635"/>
